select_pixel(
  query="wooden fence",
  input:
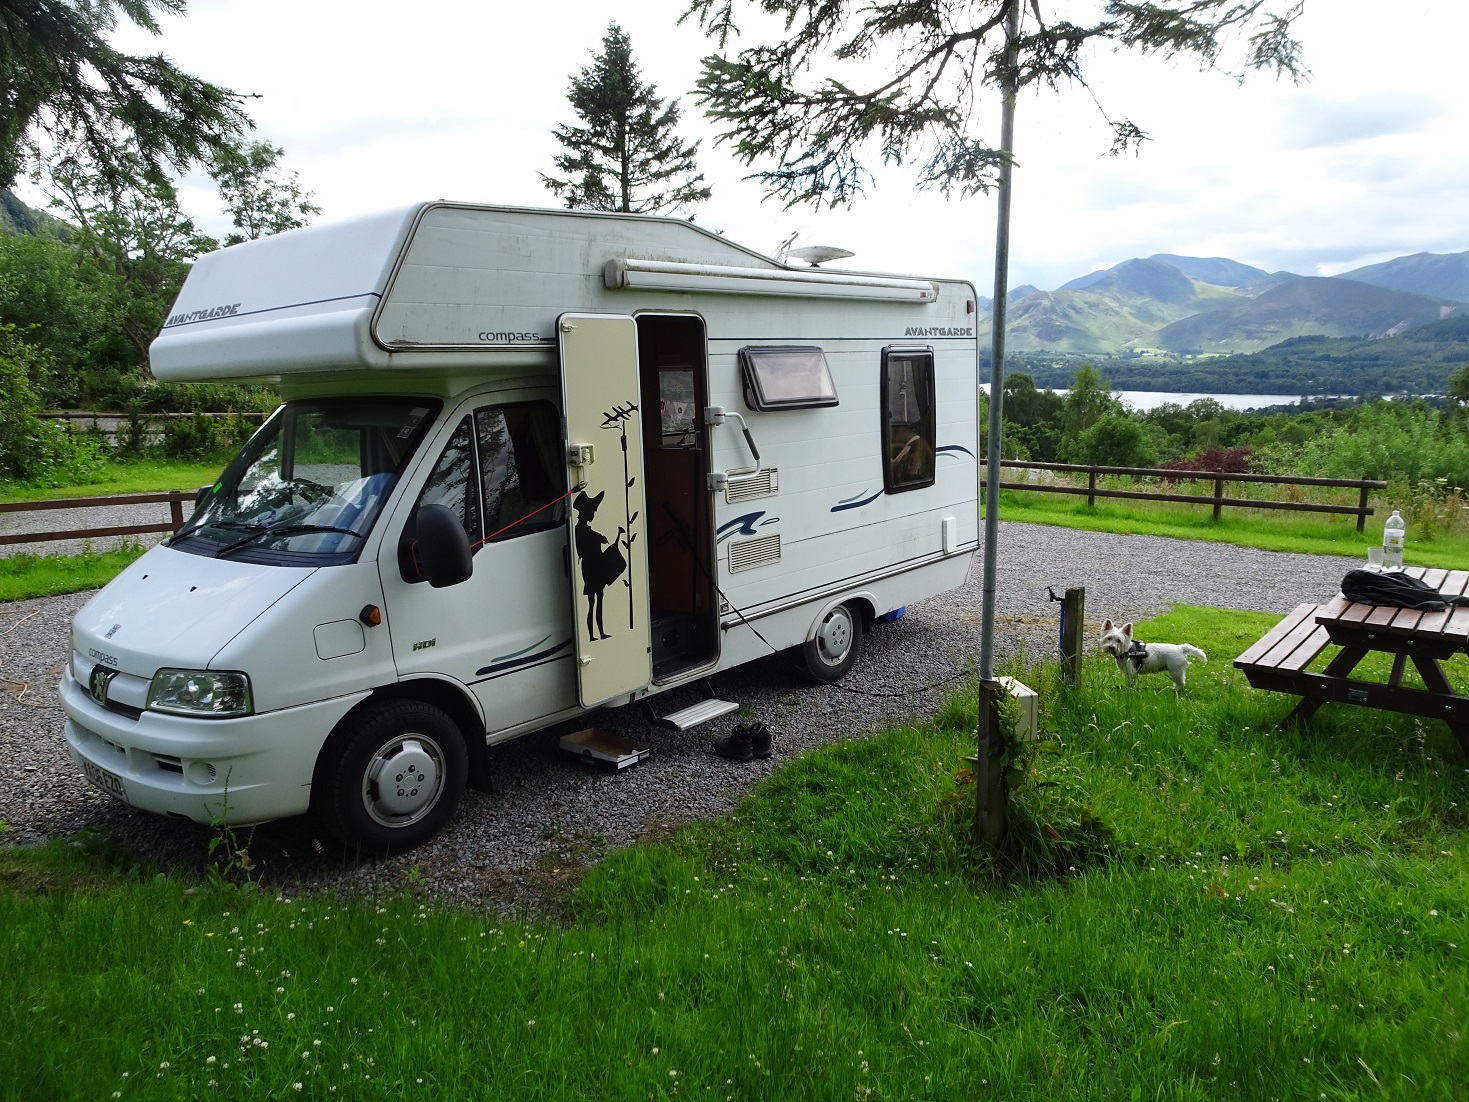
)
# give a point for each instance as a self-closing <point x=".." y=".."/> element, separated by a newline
<point x="1092" y="491"/>
<point x="174" y="498"/>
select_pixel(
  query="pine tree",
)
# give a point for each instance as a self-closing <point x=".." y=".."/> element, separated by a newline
<point x="625" y="156"/>
<point x="60" y="77"/>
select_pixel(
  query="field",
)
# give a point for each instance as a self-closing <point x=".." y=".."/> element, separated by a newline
<point x="1193" y="904"/>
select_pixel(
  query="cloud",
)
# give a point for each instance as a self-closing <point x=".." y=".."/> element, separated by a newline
<point x="1312" y="121"/>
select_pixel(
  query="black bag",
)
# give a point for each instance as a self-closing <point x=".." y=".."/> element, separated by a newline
<point x="1368" y="587"/>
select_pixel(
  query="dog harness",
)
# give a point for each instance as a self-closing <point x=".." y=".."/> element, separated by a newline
<point x="1137" y="653"/>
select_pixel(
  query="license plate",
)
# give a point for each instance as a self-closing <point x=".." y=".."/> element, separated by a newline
<point x="107" y="782"/>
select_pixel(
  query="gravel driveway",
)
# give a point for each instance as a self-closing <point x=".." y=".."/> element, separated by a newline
<point x="549" y="815"/>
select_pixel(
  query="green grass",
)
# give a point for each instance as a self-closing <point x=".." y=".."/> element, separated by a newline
<point x="26" y="576"/>
<point x="1227" y="910"/>
<point x="1270" y="530"/>
<point x="135" y="476"/>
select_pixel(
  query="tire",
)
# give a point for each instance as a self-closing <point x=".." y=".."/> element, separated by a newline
<point x="833" y="646"/>
<point x="390" y="776"/>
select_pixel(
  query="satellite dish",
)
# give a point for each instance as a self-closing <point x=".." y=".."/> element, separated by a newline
<point x="815" y="255"/>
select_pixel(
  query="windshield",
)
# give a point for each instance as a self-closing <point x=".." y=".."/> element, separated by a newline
<point x="311" y="481"/>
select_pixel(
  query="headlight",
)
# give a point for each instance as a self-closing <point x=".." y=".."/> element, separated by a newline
<point x="200" y="693"/>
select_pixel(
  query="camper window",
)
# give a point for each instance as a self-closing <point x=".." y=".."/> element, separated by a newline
<point x="908" y="419"/>
<point x="786" y="378"/>
<point x="451" y="483"/>
<point x="519" y="469"/>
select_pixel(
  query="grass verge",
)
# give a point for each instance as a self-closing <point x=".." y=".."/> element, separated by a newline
<point x="1197" y="905"/>
<point x="1268" y="530"/>
<point x="134" y="476"/>
<point x="23" y="577"/>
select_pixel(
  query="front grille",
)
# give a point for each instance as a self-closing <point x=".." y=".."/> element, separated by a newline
<point x="172" y="764"/>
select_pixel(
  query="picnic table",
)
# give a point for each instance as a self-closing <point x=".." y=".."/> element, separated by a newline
<point x="1278" y="661"/>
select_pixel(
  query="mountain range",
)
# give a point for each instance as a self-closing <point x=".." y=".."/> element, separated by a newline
<point x="1174" y="305"/>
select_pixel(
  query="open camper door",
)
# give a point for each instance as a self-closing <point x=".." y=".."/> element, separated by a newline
<point x="609" y="544"/>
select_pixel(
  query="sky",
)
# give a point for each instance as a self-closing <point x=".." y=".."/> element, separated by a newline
<point x="380" y="104"/>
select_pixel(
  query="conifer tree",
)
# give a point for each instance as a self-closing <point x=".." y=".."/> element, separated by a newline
<point x="625" y="155"/>
<point x="61" y="77"/>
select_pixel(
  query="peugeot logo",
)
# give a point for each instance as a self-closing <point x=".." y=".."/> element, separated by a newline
<point x="99" y="681"/>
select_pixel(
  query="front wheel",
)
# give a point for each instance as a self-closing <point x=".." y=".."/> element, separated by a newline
<point x="391" y="776"/>
<point x="832" y="648"/>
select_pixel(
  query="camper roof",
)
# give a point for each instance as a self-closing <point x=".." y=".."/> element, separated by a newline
<point x="437" y="280"/>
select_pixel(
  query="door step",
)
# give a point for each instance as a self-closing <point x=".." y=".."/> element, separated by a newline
<point x="696" y="714"/>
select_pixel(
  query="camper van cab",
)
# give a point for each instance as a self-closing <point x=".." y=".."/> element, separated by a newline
<point x="527" y="463"/>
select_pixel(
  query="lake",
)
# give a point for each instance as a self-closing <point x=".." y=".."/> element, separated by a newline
<point x="1144" y="400"/>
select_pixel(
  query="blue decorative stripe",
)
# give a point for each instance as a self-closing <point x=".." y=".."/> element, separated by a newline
<point x="853" y="504"/>
<point x="951" y="448"/>
<point x="522" y="650"/>
<point x="741" y="526"/>
<point x="497" y="667"/>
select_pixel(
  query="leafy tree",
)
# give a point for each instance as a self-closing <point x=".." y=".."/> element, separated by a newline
<point x="136" y="238"/>
<point x="1459" y="385"/>
<point x="1116" y="440"/>
<point x="1089" y="400"/>
<point x="1025" y="405"/>
<point x="60" y="77"/>
<point x="258" y="194"/>
<point x="900" y="77"/>
<point x="625" y="156"/>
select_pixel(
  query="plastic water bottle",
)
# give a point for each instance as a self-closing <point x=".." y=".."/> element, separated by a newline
<point x="1392" y="542"/>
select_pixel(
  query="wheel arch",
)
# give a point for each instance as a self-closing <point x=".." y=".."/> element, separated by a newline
<point x="451" y="699"/>
<point x="863" y="604"/>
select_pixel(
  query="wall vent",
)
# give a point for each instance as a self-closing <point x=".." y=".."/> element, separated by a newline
<point x="748" y="554"/>
<point x="764" y="484"/>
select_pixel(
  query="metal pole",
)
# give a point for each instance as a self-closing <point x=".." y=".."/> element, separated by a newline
<point x="990" y="786"/>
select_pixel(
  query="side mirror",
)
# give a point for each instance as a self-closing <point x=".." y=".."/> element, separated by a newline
<point x="444" y="558"/>
<point x="201" y="493"/>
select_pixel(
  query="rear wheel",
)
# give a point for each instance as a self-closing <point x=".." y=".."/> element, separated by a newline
<point x="832" y="648"/>
<point x="391" y="776"/>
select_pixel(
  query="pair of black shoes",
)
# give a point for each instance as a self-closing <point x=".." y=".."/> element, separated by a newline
<point x="745" y="743"/>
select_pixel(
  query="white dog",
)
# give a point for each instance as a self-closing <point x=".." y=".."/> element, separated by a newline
<point x="1134" y="658"/>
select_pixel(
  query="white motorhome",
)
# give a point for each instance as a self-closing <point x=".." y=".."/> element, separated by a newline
<point x="528" y="463"/>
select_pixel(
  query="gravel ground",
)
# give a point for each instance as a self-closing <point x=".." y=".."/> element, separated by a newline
<point x="549" y="815"/>
<point x="82" y="519"/>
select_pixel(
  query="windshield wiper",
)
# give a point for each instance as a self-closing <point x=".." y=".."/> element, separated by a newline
<point x="277" y="530"/>
<point x="234" y="525"/>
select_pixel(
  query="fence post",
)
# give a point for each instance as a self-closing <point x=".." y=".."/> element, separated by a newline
<point x="1091" y="485"/>
<point x="1362" y="505"/>
<point x="176" y="508"/>
<point x="1218" y="498"/>
<point x="1073" y="612"/>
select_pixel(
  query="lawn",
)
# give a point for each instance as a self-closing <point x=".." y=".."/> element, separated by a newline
<point x="1308" y="533"/>
<point x="1195" y="904"/>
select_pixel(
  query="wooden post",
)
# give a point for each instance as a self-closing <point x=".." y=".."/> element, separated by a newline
<point x="1091" y="485"/>
<point x="1362" y="505"/>
<point x="176" y="508"/>
<point x="990" y="794"/>
<point x="1073" y="615"/>
<point x="1218" y="498"/>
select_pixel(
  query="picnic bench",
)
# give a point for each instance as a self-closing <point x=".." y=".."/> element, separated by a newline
<point x="1278" y="661"/>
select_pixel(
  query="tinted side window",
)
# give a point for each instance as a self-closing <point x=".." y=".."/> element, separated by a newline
<point x="908" y="419"/>
<point x="520" y="469"/>
<point x="452" y="482"/>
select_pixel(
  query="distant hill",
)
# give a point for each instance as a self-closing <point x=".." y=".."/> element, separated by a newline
<point x="1418" y="361"/>
<point x="16" y="217"/>
<point x="1438" y="275"/>
<point x="1120" y="306"/>
<point x="1217" y="270"/>
<point x="1306" y="306"/>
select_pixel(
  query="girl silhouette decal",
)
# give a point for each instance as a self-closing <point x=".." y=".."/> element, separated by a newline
<point x="600" y="566"/>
